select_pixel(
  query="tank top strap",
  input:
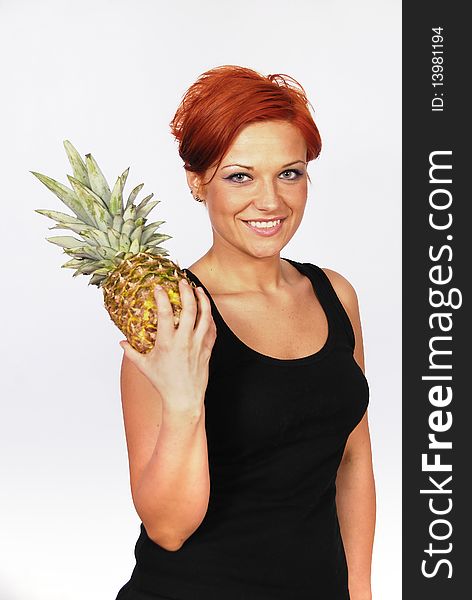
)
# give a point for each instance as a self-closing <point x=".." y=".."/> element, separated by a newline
<point x="329" y="300"/>
<point x="337" y="316"/>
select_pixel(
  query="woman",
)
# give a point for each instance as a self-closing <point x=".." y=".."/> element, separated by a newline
<point x="247" y="431"/>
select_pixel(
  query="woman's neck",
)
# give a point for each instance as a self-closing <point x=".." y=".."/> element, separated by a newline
<point x="232" y="272"/>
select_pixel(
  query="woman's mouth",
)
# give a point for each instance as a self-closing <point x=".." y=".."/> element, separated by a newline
<point x="266" y="228"/>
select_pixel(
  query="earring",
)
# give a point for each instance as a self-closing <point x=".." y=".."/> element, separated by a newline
<point x="196" y="197"/>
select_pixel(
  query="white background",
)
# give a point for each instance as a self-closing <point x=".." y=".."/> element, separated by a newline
<point x="109" y="76"/>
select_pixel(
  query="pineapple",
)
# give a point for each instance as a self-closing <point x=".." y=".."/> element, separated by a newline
<point x="116" y="246"/>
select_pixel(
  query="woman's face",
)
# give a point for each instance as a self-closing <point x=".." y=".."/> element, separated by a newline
<point x="261" y="179"/>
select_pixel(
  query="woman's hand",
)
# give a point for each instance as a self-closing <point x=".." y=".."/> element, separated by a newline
<point x="177" y="366"/>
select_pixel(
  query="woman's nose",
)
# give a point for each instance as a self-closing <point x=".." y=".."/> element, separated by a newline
<point x="268" y="196"/>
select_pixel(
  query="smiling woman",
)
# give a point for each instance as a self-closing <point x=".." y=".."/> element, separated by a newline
<point x="250" y="463"/>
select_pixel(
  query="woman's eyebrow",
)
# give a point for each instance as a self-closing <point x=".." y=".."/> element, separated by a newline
<point x="252" y="168"/>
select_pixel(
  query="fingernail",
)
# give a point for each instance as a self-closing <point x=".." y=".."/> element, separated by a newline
<point x="184" y="281"/>
<point x="158" y="287"/>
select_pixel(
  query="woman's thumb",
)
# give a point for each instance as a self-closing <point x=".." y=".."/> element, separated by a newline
<point x="130" y="352"/>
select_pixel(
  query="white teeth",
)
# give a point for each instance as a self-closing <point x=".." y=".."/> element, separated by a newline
<point x="264" y="224"/>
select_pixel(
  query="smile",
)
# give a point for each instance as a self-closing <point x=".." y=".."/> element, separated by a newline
<point x="266" y="228"/>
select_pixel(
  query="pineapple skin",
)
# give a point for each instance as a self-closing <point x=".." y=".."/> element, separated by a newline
<point x="128" y="293"/>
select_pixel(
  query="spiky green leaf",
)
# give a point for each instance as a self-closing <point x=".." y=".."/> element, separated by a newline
<point x="72" y="264"/>
<point x="143" y="202"/>
<point x="136" y="235"/>
<point x="92" y="204"/>
<point x="77" y="164"/>
<point x="97" y="279"/>
<point x="116" y="200"/>
<point x="79" y="229"/>
<point x="98" y="182"/>
<point x="59" y="216"/>
<point x="67" y="196"/>
<point x="85" y="263"/>
<point x="133" y="194"/>
<point x="149" y="230"/>
<point x="96" y="237"/>
<point x="117" y="223"/>
<point x="157" y="250"/>
<point x="124" y="177"/>
<point x="128" y="227"/>
<point x="102" y="271"/>
<point x="153" y="225"/>
<point x="114" y="239"/>
<point x="66" y="241"/>
<point x="134" y="248"/>
<point x="143" y="212"/>
<point x="124" y="243"/>
<point x="158" y="237"/>
<point x="84" y="252"/>
<point x="107" y="252"/>
<point x="101" y="264"/>
<point x="85" y="269"/>
<point x="130" y="213"/>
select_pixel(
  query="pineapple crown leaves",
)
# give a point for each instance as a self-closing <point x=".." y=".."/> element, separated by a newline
<point x="110" y="230"/>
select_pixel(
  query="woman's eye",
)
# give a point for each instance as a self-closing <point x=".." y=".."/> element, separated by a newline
<point x="295" y="172"/>
<point x="230" y="177"/>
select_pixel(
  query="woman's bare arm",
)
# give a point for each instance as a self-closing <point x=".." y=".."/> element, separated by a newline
<point x="168" y="461"/>
<point x="355" y="501"/>
<point x="355" y="484"/>
<point x="164" y="413"/>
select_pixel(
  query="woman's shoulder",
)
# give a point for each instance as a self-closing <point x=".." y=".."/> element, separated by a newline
<point x="348" y="297"/>
<point x="341" y="285"/>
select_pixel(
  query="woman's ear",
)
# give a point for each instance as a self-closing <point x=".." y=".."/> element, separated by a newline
<point x="194" y="182"/>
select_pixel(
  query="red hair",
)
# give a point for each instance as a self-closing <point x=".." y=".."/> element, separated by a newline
<point x="227" y="98"/>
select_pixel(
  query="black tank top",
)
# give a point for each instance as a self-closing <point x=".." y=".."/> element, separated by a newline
<point x="276" y="432"/>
